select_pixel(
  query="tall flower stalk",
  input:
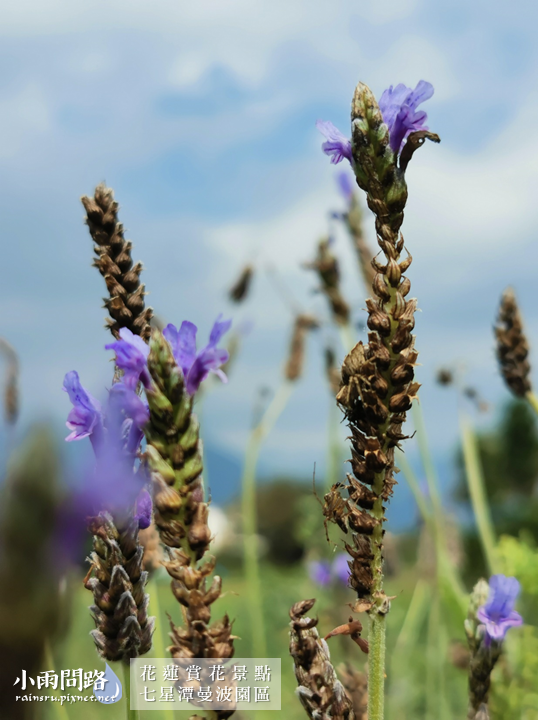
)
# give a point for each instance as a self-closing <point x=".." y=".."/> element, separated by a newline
<point x="377" y="379"/>
<point x="171" y="373"/>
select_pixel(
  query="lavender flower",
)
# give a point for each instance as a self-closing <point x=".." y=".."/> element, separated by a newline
<point x="345" y="185"/>
<point x="337" y="146"/>
<point x="131" y="357"/>
<point x="115" y="435"/>
<point x="320" y="572"/>
<point x="398" y="106"/>
<point x="197" y="366"/>
<point x="399" y="109"/>
<point x="340" y="568"/>
<point x="143" y="509"/>
<point x="85" y="418"/>
<point x="498" y="614"/>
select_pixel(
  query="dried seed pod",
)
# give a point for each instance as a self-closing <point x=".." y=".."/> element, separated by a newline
<point x="512" y="346"/>
<point x="117" y="581"/>
<point x="294" y="366"/>
<point x="321" y="693"/>
<point x="326" y="266"/>
<point x="356" y="685"/>
<point x="126" y="302"/>
<point x="354" y="222"/>
<point x="240" y="289"/>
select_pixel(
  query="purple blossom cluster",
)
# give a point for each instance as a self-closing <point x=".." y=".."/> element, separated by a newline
<point x="132" y="354"/>
<point x="398" y="106"/>
<point x="498" y="614"/>
<point x="118" y="481"/>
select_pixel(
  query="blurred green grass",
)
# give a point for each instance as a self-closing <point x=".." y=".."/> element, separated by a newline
<point x="282" y="586"/>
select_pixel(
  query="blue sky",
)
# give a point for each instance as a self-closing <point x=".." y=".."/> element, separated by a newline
<point x="201" y="117"/>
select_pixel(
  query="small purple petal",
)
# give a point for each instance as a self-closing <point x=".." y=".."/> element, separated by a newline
<point x="143" y="509"/>
<point x="128" y="401"/>
<point x="220" y="327"/>
<point x="498" y="614"/>
<point x="208" y="360"/>
<point x="320" y="572"/>
<point x="345" y="185"/>
<point x="337" y="146"/>
<point x="196" y="367"/>
<point x="85" y="417"/>
<point x="131" y="357"/>
<point x="183" y="343"/>
<point x="399" y="109"/>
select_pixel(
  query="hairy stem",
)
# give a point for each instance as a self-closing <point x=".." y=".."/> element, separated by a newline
<point x="131" y="713"/>
<point x="376" y="667"/>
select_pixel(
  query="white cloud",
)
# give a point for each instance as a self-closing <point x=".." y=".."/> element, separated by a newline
<point x="24" y="115"/>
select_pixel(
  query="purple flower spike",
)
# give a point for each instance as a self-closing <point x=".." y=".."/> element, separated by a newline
<point x="399" y="109"/>
<point x="320" y="572"/>
<point x="143" y="509"/>
<point x="131" y="357"/>
<point x="86" y="417"/>
<point x="345" y="185"/>
<point x="197" y="366"/>
<point x="498" y="614"/>
<point x="340" y="568"/>
<point x="337" y="146"/>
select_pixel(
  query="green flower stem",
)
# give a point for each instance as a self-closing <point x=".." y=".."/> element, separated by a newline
<point x="158" y="637"/>
<point x="333" y="450"/>
<point x="412" y="481"/>
<point x="427" y="462"/>
<point x="131" y="714"/>
<point x="416" y="612"/>
<point x="446" y="573"/>
<point x="248" y="506"/>
<point x="376" y="667"/>
<point x="475" y="481"/>
<point x="60" y="710"/>
<point x="432" y="662"/>
<point x="347" y="337"/>
<point x="533" y="400"/>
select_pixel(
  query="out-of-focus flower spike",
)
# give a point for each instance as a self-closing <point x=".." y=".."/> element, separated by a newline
<point x="512" y="346"/>
<point x="11" y="388"/>
<point x="295" y="364"/>
<point x="240" y="289"/>
<point x="327" y="268"/>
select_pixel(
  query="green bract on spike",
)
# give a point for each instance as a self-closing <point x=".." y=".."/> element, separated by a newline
<point x="174" y="457"/>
